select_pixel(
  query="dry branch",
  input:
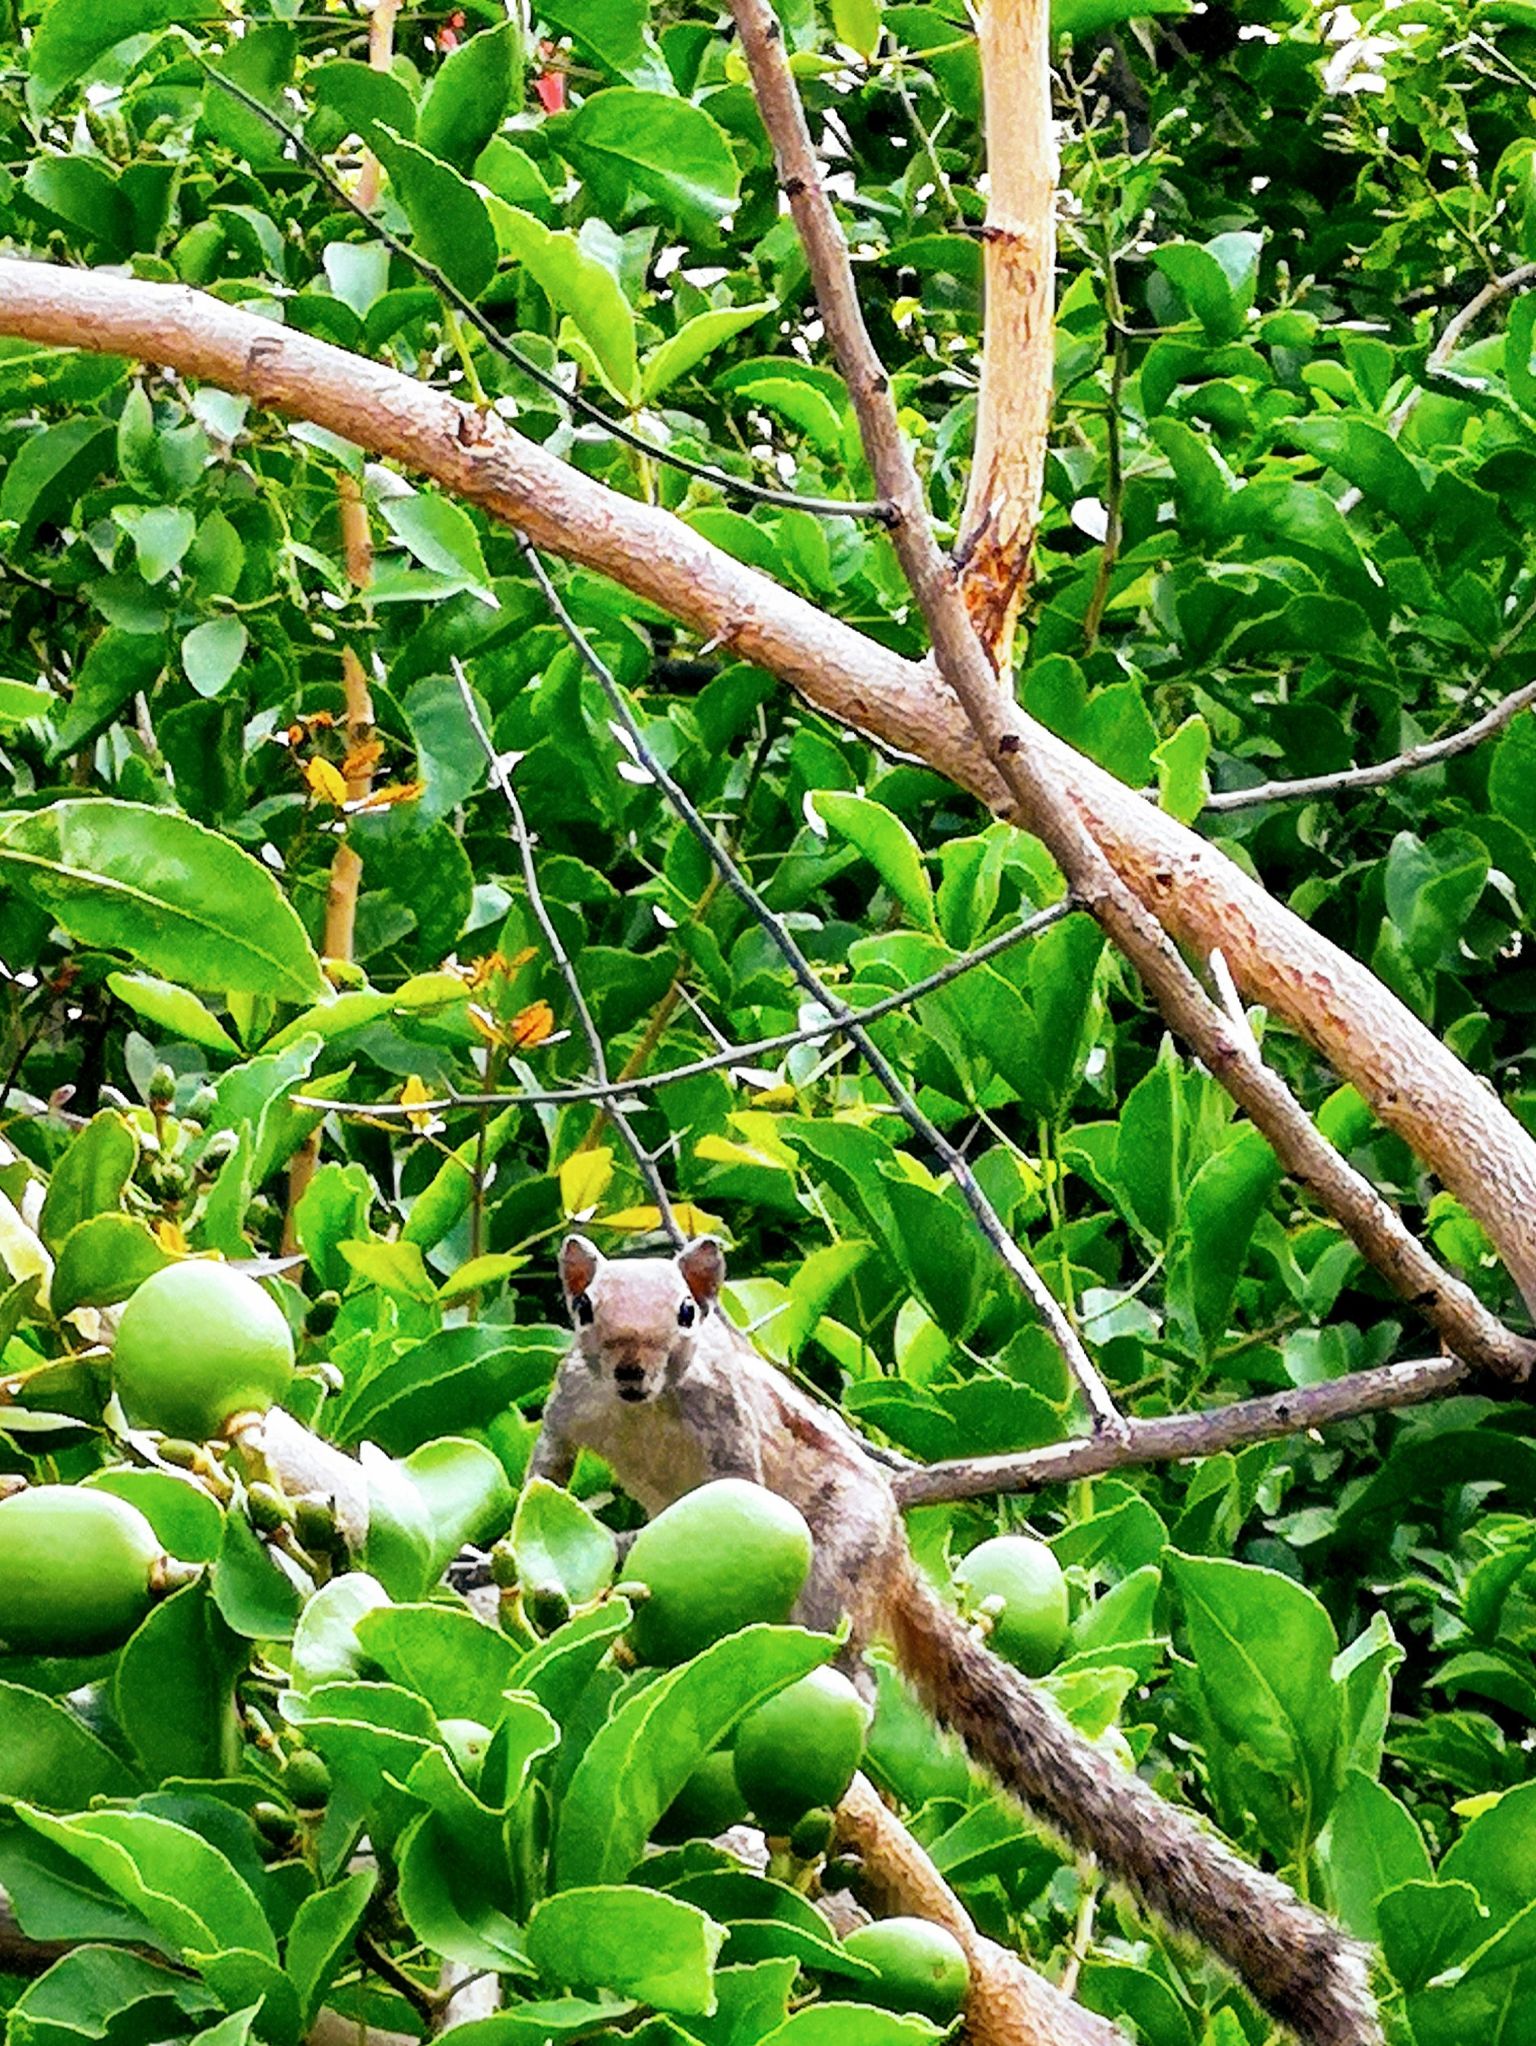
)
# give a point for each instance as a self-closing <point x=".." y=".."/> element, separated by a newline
<point x="1002" y="506"/>
<point x="1417" y="1087"/>
<point x="1009" y="2004"/>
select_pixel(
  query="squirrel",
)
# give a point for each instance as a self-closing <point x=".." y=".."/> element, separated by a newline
<point x="661" y="1385"/>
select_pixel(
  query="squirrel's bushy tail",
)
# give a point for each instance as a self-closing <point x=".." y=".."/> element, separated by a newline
<point x="1301" y="1967"/>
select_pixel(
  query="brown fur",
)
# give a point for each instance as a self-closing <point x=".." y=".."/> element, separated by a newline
<point x="709" y="1406"/>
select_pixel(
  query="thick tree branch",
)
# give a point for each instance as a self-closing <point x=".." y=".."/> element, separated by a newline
<point x="1170" y="1438"/>
<point x="1009" y="2004"/>
<point x="1002" y="506"/>
<point x="1451" y="1308"/>
<point x="1417" y="1087"/>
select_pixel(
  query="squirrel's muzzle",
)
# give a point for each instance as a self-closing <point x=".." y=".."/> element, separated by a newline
<point x="629" y="1380"/>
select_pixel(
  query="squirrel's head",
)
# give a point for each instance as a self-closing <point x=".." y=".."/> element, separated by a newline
<point x="637" y="1319"/>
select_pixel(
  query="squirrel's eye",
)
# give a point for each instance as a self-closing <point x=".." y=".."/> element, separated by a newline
<point x="685" y="1315"/>
<point x="581" y="1307"/>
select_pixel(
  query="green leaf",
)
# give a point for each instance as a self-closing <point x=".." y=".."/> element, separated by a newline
<point x="1181" y="760"/>
<point x="470" y="93"/>
<point x="1367" y="456"/>
<point x="637" y="148"/>
<point x="160" y="535"/>
<point x="47" y="1755"/>
<point x="175" y="1009"/>
<point x="941" y="1254"/>
<point x="1222" y="1207"/>
<point x="450" y="223"/>
<point x="211" y="654"/>
<point x="851" y="2024"/>
<point x="460" y="1378"/>
<point x="22" y="702"/>
<point x="101" y="1261"/>
<point x="578" y="285"/>
<point x="557" y="1542"/>
<point x="321" y="1933"/>
<point x="1431" y="888"/>
<point x="1497" y="1853"/>
<point x="638" y="1942"/>
<point x="1263" y="1651"/>
<point x="51" y="468"/>
<point x="184" y="902"/>
<point x="461" y="1666"/>
<point x="174" y="1689"/>
<point x="695" y="340"/>
<point x="640" y="1759"/>
<point x="105" y="1993"/>
<point x="356" y="95"/>
<point x="90" y="1176"/>
<point x="118" y="667"/>
<point x="1091" y="17"/>
<point x="1373" y="1846"/>
<point x="857" y="23"/>
<point x="442" y="537"/>
<point x="187" y="1890"/>
<point x="1217" y="281"/>
<point x="187" y="1519"/>
<point x="889" y="847"/>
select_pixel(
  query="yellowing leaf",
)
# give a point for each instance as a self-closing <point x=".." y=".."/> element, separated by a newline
<point x="325" y="781"/>
<point x="479" y="1272"/>
<point x="633" y="1219"/>
<point x="171" y="1238"/>
<point x="691" y="1220"/>
<point x="531" y="1026"/>
<point x="387" y="798"/>
<point x="718" y="1150"/>
<point x="414" y="1090"/>
<point x="695" y="1221"/>
<point x="584" y="1180"/>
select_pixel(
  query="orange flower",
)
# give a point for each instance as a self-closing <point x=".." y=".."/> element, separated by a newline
<point x="531" y="1026"/>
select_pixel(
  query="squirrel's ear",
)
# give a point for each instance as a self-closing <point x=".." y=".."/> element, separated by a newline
<point x="702" y="1265"/>
<point x="579" y="1261"/>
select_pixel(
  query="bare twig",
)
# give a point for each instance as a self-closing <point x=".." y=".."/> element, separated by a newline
<point x="728" y="1055"/>
<point x="1495" y="289"/>
<point x="1379" y="772"/>
<point x="706" y="472"/>
<point x="617" y="1115"/>
<point x="1170" y="1438"/>
<point x="1039" y="803"/>
<point x="381" y="57"/>
<point x="1101" y="1407"/>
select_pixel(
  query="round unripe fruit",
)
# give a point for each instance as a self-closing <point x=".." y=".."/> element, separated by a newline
<point x="77" y="1570"/>
<point x="466" y="1740"/>
<point x="922" y="1967"/>
<point x="708" y="1803"/>
<point x="722" y="1557"/>
<point x="810" y="1837"/>
<point x="307" y="1780"/>
<point x="800" y="1749"/>
<point x="1030" y="1631"/>
<point x="197" y="1345"/>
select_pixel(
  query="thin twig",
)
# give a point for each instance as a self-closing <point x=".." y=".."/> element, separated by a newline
<point x="645" y="1163"/>
<point x="706" y="472"/>
<point x="1101" y="1408"/>
<point x="1379" y="772"/>
<point x="1171" y="1438"/>
<point x="729" y="1055"/>
<point x="1036" y="798"/>
<point x="1495" y="289"/>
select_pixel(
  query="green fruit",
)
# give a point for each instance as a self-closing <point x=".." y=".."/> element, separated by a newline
<point x="810" y="1837"/>
<point x="78" y="1570"/>
<point x="922" y="1967"/>
<point x="307" y="1780"/>
<point x="708" y="1803"/>
<point x="800" y="1749"/>
<point x="1030" y="1631"/>
<point x="722" y="1557"/>
<point x="197" y="1345"/>
<point x="466" y="1740"/>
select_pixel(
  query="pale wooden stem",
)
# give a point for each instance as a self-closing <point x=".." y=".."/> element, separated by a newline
<point x="1002" y="506"/>
<point x="1008" y="2004"/>
<point x="1412" y="1082"/>
<point x="381" y="55"/>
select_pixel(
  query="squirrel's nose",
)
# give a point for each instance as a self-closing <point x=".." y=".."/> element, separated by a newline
<point x="629" y="1378"/>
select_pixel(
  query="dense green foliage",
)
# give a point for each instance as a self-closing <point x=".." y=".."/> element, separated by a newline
<point x="1327" y="1644"/>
